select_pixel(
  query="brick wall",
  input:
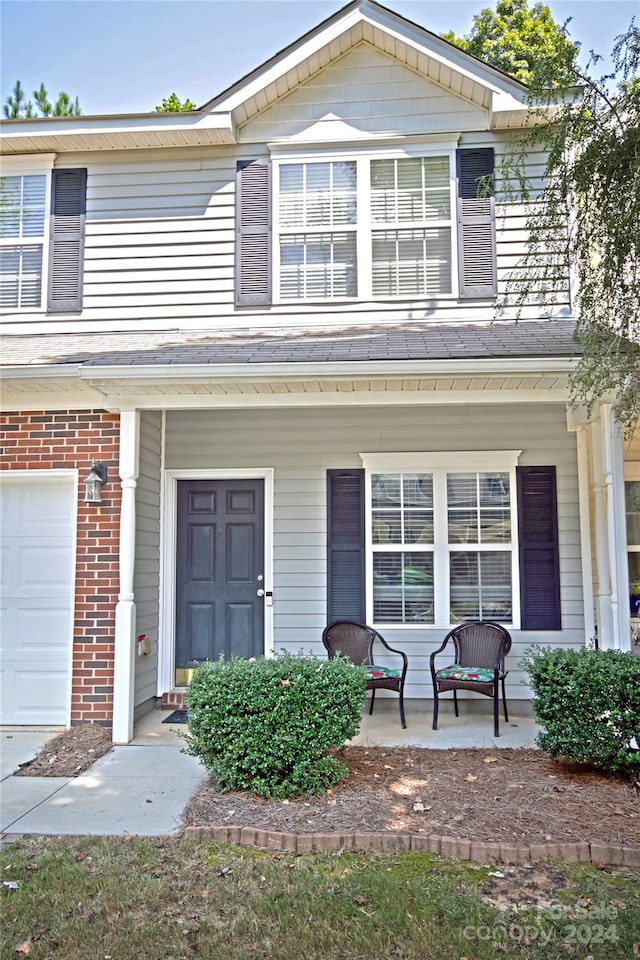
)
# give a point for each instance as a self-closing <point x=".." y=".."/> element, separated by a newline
<point x="67" y="439"/>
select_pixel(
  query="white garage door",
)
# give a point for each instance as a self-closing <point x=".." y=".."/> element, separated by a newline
<point x="36" y="589"/>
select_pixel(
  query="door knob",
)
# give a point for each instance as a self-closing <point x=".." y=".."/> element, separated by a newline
<point x="259" y="593"/>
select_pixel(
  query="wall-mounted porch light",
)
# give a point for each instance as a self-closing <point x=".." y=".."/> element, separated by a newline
<point x="93" y="483"/>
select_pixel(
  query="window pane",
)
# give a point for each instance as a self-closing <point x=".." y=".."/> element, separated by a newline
<point x="20" y="276"/>
<point x="318" y="266"/>
<point x="403" y="587"/>
<point x="417" y="489"/>
<point x="317" y="194"/>
<point x="479" y="508"/>
<point x="480" y="586"/>
<point x="22" y="206"/>
<point x="386" y="527"/>
<point x="411" y="262"/>
<point x="418" y="527"/>
<point x="385" y="490"/>
<point x="410" y="189"/>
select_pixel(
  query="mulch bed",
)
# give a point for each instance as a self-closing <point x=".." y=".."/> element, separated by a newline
<point x="508" y="795"/>
<point x="70" y="753"/>
<point x="504" y="795"/>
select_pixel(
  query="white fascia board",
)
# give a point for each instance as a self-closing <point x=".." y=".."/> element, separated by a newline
<point x="287" y="61"/>
<point x="43" y="128"/>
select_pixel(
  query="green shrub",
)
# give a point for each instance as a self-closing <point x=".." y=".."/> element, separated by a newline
<point x="267" y="725"/>
<point x="588" y="705"/>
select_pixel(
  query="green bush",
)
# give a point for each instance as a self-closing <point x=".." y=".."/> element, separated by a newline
<point x="588" y="705"/>
<point x="267" y="725"/>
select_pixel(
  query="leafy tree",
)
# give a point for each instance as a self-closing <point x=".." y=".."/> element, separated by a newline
<point x="588" y="216"/>
<point x="173" y="104"/>
<point x="16" y="108"/>
<point x="526" y="42"/>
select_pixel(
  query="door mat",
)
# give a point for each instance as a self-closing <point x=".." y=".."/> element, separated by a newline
<point x="178" y="716"/>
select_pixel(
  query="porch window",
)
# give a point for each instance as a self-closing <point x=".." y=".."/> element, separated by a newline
<point x="632" y="500"/>
<point x="441" y="543"/>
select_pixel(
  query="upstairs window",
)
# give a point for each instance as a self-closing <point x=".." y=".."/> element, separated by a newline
<point x="42" y="226"/>
<point x="357" y="229"/>
<point x="366" y="227"/>
<point x="23" y="220"/>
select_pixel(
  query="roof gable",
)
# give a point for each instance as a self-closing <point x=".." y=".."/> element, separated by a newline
<point x="363" y="96"/>
<point x="365" y="21"/>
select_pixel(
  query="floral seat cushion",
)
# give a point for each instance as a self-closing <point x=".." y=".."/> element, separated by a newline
<point x="381" y="673"/>
<point x="476" y="674"/>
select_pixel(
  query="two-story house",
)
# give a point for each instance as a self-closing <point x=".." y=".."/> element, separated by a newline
<point x="271" y="324"/>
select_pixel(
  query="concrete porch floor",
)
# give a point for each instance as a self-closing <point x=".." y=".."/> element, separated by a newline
<point x="473" y="728"/>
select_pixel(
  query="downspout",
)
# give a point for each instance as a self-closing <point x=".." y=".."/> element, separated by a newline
<point x="582" y="440"/>
<point x="614" y="477"/>
<point x="603" y="588"/>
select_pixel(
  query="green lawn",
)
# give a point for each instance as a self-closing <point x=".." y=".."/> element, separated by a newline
<point x="131" y="899"/>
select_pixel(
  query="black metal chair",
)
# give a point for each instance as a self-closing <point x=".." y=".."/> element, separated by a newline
<point x="480" y="648"/>
<point x="355" y="641"/>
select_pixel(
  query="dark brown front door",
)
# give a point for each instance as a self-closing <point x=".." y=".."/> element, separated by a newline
<point x="219" y="571"/>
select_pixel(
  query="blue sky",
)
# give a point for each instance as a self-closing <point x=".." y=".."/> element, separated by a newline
<point x="124" y="56"/>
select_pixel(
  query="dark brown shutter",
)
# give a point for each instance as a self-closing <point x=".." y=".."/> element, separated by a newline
<point x="345" y="546"/>
<point x="66" y="251"/>
<point x="538" y="542"/>
<point x="476" y="223"/>
<point x="253" y="233"/>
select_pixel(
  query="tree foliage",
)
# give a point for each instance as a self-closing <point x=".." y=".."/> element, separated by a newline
<point x="586" y="219"/>
<point x="173" y="104"/>
<point x="526" y="42"/>
<point x="17" y="107"/>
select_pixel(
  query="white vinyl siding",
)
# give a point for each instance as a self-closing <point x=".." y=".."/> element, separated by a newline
<point x="147" y="570"/>
<point x="302" y="444"/>
<point x="160" y="249"/>
<point x="365" y="93"/>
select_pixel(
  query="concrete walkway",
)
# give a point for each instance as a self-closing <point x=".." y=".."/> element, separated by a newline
<point x="141" y="789"/>
<point x="138" y="789"/>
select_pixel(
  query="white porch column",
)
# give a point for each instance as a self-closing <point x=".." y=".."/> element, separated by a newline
<point x="125" y="627"/>
<point x="613" y="457"/>
<point x="603" y="582"/>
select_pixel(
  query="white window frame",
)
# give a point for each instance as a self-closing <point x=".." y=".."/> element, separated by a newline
<point x="32" y="166"/>
<point x="364" y="226"/>
<point x="439" y="465"/>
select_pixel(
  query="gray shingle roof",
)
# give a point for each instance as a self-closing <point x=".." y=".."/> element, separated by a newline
<point x="401" y="342"/>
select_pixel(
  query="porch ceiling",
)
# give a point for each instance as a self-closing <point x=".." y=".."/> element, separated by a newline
<point x="158" y="393"/>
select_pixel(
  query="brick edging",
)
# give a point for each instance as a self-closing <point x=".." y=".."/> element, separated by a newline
<point x="479" y="851"/>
